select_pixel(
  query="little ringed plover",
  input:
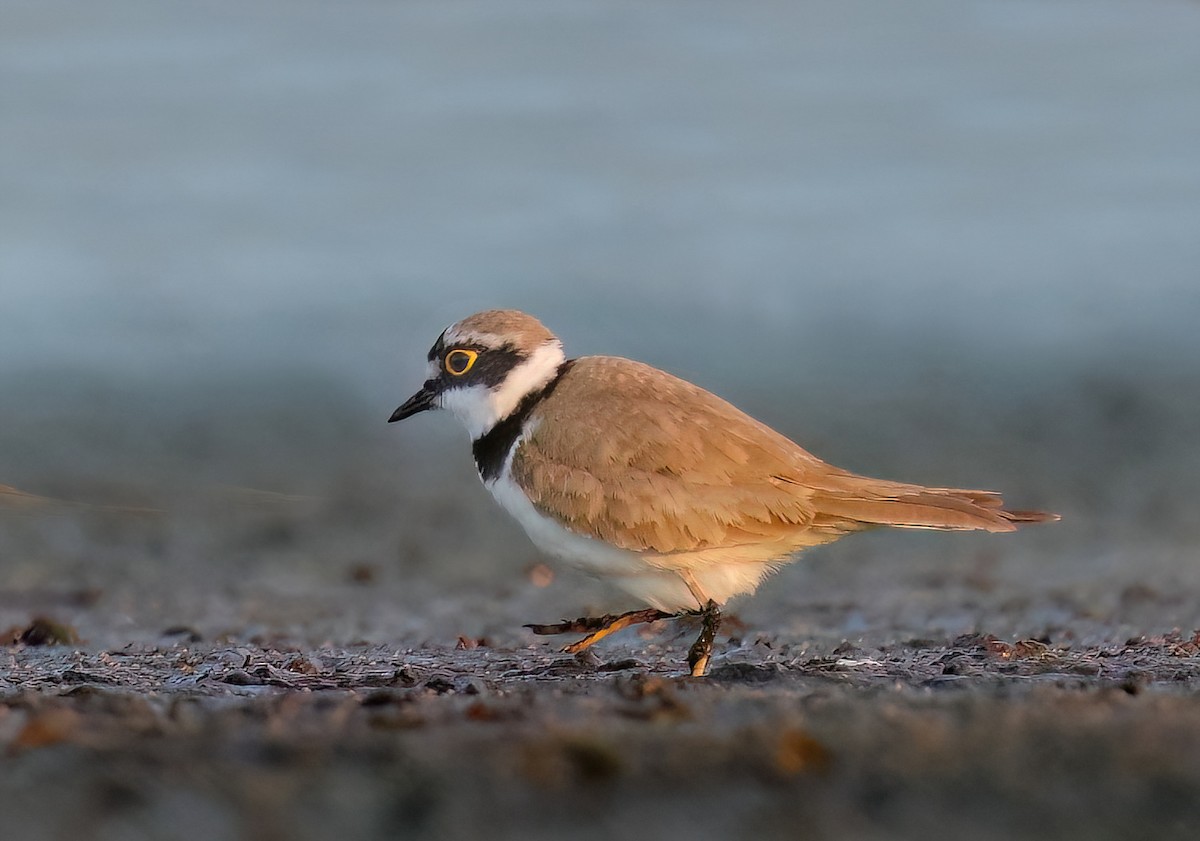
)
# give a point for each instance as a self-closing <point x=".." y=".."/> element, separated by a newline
<point x="653" y="483"/>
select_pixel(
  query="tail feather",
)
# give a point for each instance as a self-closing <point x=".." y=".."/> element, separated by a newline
<point x="1023" y="517"/>
<point x="909" y="506"/>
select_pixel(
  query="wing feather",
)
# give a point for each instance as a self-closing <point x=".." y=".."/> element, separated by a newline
<point x="631" y="455"/>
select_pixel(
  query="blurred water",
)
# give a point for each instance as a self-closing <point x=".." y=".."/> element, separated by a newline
<point x="189" y="190"/>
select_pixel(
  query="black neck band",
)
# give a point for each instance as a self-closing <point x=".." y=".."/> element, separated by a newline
<point x="491" y="449"/>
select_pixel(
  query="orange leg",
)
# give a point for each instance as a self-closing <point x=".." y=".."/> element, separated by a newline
<point x="597" y="628"/>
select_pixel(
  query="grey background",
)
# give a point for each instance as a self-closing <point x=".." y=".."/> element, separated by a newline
<point x="952" y="242"/>
<point x="946" y="242"/>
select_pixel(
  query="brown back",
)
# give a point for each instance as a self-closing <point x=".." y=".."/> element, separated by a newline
<point x="646" y="461"/>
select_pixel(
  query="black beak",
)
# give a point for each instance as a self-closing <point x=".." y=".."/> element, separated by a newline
<point x="419" y="402"/>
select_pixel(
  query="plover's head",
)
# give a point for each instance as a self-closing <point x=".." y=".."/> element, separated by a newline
<point x="481" y="367"/>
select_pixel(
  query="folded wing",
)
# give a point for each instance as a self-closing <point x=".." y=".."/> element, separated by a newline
<point x="631" y="455"/>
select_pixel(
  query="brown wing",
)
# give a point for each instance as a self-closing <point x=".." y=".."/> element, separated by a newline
<point x="646" y="461"/>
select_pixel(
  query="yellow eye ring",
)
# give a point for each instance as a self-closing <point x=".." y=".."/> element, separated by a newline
<point x="459" y="361"/>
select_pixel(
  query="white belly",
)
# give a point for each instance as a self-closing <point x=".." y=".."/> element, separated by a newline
<point x="657" y="587"/>
<point x="591" y="555"/>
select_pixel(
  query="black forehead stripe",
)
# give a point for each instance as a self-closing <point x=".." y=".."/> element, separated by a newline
<point x="440" y="347"/>
<point x="436" y="351"/>
<point x="491" y="449"/>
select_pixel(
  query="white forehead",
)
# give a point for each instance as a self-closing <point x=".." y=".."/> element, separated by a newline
<point x="458" y="335"/>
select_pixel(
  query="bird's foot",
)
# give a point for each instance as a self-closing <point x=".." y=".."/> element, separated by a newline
<point x="598" y="627"/>
<point x="701" y="651"/>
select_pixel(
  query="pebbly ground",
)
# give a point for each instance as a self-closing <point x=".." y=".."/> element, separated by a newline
<point x="918" y="695"/>
<point x="927" y="738"/>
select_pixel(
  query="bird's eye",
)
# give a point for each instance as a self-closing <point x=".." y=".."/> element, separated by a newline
<point x="459" y="361"/>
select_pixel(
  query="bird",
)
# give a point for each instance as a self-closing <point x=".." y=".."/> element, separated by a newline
<point x="654" y="484"/>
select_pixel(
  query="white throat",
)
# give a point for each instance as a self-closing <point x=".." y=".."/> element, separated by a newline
<point x="479" y="408"/>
